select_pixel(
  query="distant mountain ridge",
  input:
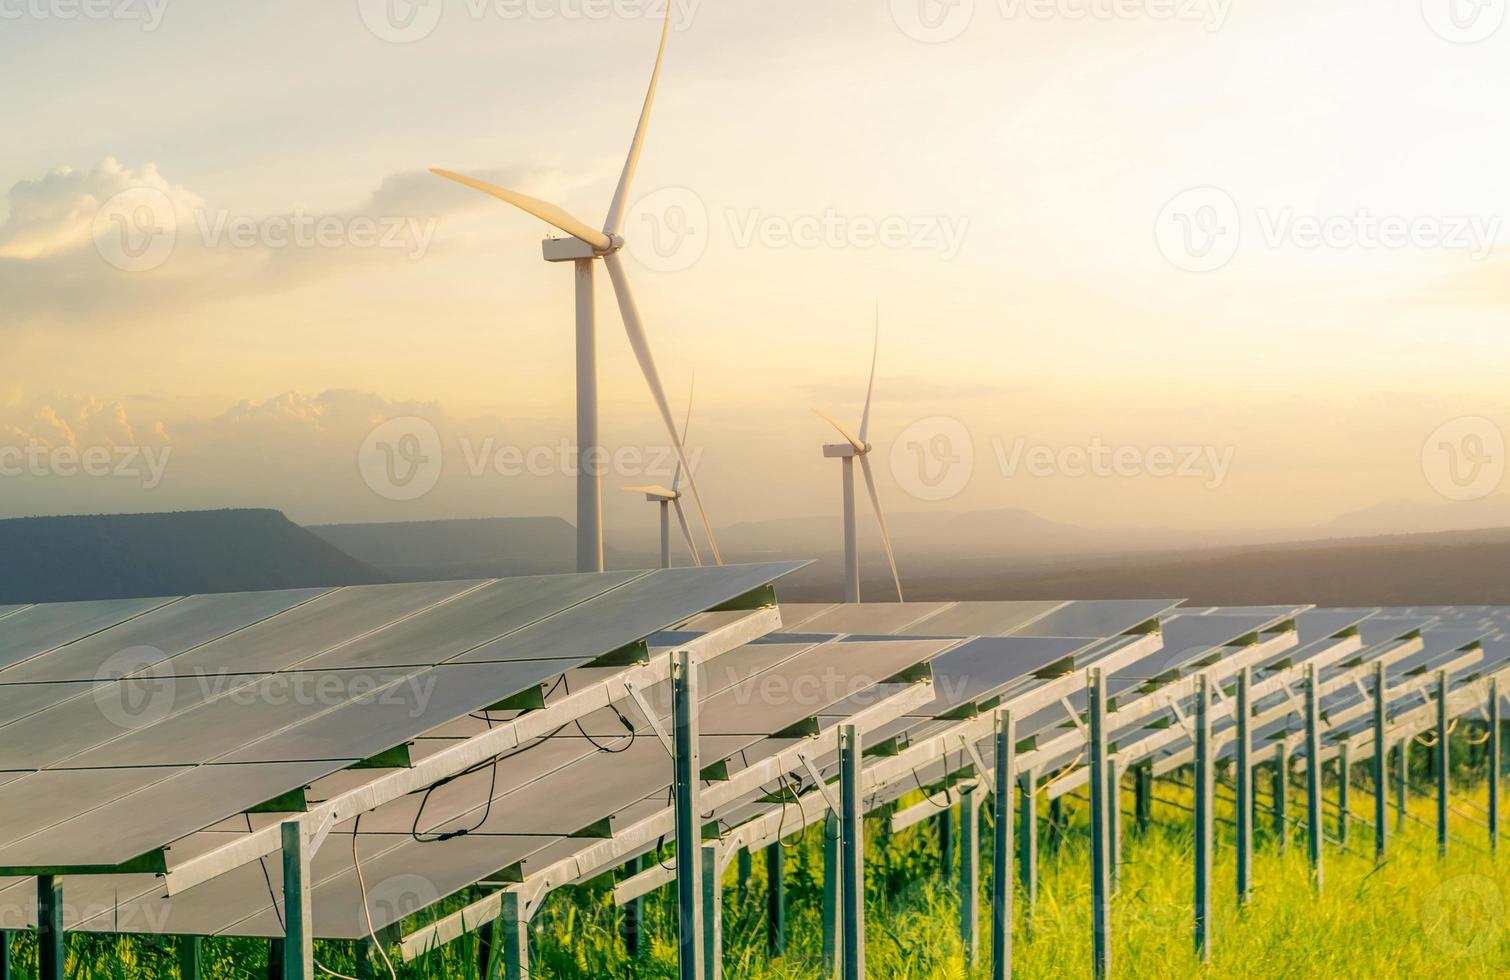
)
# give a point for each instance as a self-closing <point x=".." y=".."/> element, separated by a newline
<point x="487" y="547"/>
<point x="983" y="554"/>
<point x="120" y="556"/>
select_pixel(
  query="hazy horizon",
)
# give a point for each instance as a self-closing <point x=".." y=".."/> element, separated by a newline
<point x="1204" y="266"/>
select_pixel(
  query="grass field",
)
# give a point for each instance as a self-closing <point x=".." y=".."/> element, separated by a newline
<point x="1414" y="916"/>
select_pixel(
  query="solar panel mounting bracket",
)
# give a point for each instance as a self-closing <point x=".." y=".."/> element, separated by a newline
<point x="1074" y="715"/>
<point x="317" y="838"/>
<point x="819" y="782"/>
<point x="981" y="771"/>
<point x="655" y="721"/>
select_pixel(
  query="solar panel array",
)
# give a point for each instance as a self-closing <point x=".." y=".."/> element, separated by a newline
<point x="137" y="735"/>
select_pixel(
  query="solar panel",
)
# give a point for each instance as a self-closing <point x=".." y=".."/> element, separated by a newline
<point x="1321" y="624"/>
<point x="86" y="818"/>
<point x="1098" y="617"/>
<point x="981" y="618"/>
<point x="557" y="786"/>
<point x="871" y="618"/>
<point x="36" y="629"/>
<point x="262" y="735"/>
<point x="980" y="668"/>
<point x="477" y="618"/>
<point x="147" y="639"/>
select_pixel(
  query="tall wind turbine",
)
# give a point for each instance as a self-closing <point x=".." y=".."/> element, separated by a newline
<point x="847" y="452"/>
<point x="585" y="247"/>
<point x="669" y="499"/>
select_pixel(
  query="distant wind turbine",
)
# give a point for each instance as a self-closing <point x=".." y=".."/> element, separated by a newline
<point x="847" y="452"/>
<point x="585" y="246"/>
<point x="669" y="498"/>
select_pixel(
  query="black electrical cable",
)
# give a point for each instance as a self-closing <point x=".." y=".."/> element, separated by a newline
<point x="487" y="809"/>
<point x="633" y="732"/>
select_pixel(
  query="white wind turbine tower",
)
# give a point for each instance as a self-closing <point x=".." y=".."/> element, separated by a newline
<point x="847" y="452"/>
<point x="671" y="498"/>
<point x="585" y="247"/>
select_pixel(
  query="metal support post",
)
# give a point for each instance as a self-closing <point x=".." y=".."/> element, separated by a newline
<point x="688" y="774"/>
<point x="852" y="844"/>
<point x="1001" y="869"/>
<point x="1204" y="798"/>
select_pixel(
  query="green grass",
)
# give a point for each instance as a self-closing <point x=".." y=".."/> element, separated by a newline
<point x="1414" y="916"/>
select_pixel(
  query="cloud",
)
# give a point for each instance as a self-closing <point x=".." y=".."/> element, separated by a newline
<point x="330" y="420"/>
<point x="55" y="213"/>
<point x="114" y="244"/>
<point x="57" y="420"/>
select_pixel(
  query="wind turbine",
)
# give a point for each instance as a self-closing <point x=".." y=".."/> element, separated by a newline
<point x="847" y="452"/>
<point x="670" y="498"/>
<point x="586" y="246"/>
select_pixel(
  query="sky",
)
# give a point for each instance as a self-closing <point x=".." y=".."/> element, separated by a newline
<point x="1186" y="263"/>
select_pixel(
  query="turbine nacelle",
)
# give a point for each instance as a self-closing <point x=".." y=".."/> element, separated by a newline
<point x="845" y="450"/>
<point x="657" y="495"/>
<point x="573" y="249"/>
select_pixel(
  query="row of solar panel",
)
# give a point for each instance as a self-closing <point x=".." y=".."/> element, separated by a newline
<point x="521" y="813"/>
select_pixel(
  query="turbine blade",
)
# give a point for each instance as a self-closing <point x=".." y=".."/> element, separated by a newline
<point x="875" y="501"/>
<point x="859" y="446"/>
<point x="635" y="328"/>
<point x="621" y="196"/>
<point x="871" y="388"/>
<point x="681" y="518"/>
<point x="544" y="210"/>
<point x="676" y="479"/>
